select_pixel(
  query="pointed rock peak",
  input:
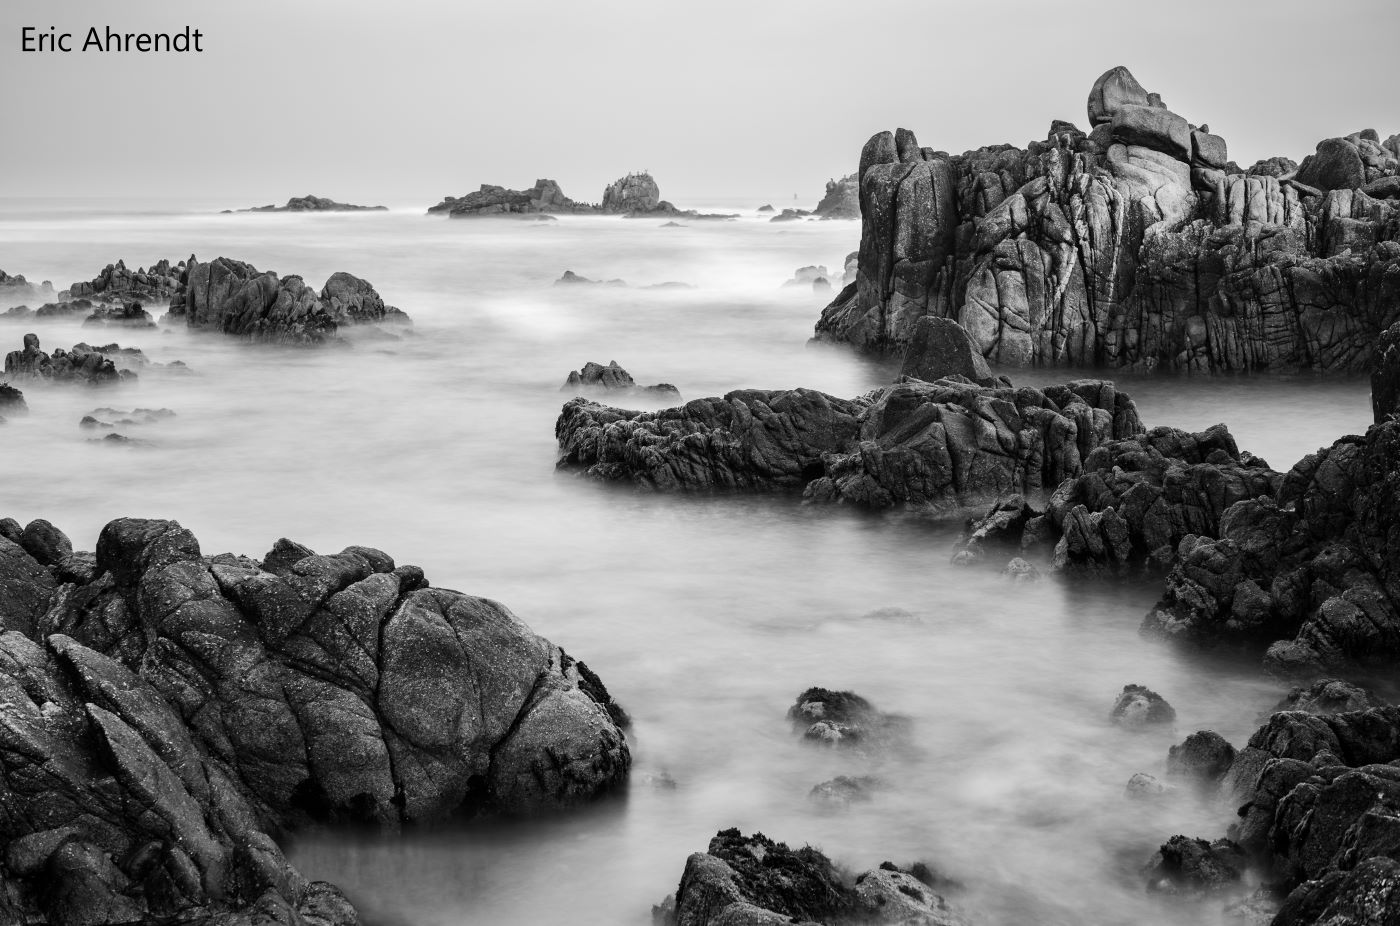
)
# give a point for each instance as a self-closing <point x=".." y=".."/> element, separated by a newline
<point x="1114" y="89"/>
<point x="907" y="146"/>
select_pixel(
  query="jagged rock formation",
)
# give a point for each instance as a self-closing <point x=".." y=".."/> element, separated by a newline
<point x="83" y="364"/>
<point x="309" y="203"/>
<point x="1318" y="820"/>
<point x="842" y="199"/>
<point x="1135" y="245"/>
<point x="235" y="298"/>
<point x="754" y="881"/>
<point x="166" y="713"/>
<point x="612" y="379"/>
<point x="155" y="285"/>
<point x="545" y="196"/>
<point x="929" y="446"/>
<point x="1311" y="570"/>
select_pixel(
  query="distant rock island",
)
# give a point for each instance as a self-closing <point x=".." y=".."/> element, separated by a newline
<point x="311" y="203"/>
<point x="1138" y="245"/>
<point x="842" y="199"/>
<point x="635" y="195"/>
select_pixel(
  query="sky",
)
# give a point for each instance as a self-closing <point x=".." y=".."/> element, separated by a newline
<point x="409" y="101"/>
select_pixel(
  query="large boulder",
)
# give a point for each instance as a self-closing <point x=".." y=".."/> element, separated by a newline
<point x="165" y="713"/>
<point x="940" y="348"/>
<point x="935" y="447"/>
<point x="634" y="193"/>
<point x="1113" y="90"/>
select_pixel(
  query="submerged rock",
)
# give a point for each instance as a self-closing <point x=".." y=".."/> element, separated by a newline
<point x="1138" y="707"/>
<point x="613" y="379"/>
<point x="168" y="712"/>
<point x="935" y="447"/>
<point x="844" y="790"/>
<point x="1137" y="245"/>
<point x="844" y="719"/>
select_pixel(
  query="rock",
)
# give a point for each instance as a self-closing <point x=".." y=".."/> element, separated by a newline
<point x="1194" y="867"/>
<point x="309" y="203"/>
<point x="612" y="379"/>
<point x="1305" y="572"/>
<point x="1366" y="895"/>
<point x="1019" y="570"/>
<point x="112" y="418"/>
<point x="1137" y="246"/>
<point x="1144" y="787"/>
<point x="756" y="881"/>
<point x="808" y="277"/>
<point x="940" y="348"/>
<point x="570" y="278"/>
<point x="937" y="448"/>
<point x="842" y="791"/>
<point x="235" y="298"/>
<point x="130" y="315"/>
<point x="632" y="194"/>
<point x="1203" y="757"/>
<point x="1002" y="527"/>
<point x="843" y="719"/>
<point x="1138" y="707"/>
<point x="765" y="208"/>
<point x="120" y="286"/>
<point x="83" y="364"/>
<point x="790" y="215"/>
<point x="544" y="196"/>
<point x="841" y="201"/>
<point x="1385" y="374"/>
<point x="15" y="290"/>
<point x="12" y="401"/>
<point x="1328" y="696"/>
<point x="47" y="544"/>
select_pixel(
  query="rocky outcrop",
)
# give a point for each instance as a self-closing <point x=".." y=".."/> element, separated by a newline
<point x="309" y="203"/>
<point x="1317" y="818"/>
<point x="841" y="200"/>
<point x="1137" y="244"/>
<point x="83" y="364"/>
<point x="755" y="881"/>
<point x="634" y="193"/>
<point x="235" y="298"/>
<point x="612" y="379"/>
<point x="544" y="197"/>
<point x="130" y="315"/>
<point x="155" y="285"/>
<point x="165" y="714"/>
<point x="814" y="277"/>
<point x="933" y="447"/>
<point x="12" y="401"/>
<point x="941" y="348"/>
<point x="1308" y="572"/>
<point x="1385" y="374"/>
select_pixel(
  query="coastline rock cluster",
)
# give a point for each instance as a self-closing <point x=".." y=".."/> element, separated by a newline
<point x="167" y="714"/>
<point x="1137" y="244"/>
<point x="635" y="195"/>
<point x="927" y="446"/>
<point x="16" y="290"/>
<point x="157" y="284"/>
<point x="83" y="364"/>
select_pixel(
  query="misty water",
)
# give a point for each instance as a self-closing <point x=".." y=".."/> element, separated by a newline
<point x="704" y="616"/>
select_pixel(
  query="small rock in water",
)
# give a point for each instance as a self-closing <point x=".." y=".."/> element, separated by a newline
<point x="842" y="791"/>
<point x="1019" y="570"/>
<point x="1139" y="707"/>
<point x="843" y="719"/>
<point x="1194" y="867"/>
<point x="1144" y="787"/>
<point x="1204" y="757"/>
<point x="808" y="277"/>
<point x="613" y="379"/>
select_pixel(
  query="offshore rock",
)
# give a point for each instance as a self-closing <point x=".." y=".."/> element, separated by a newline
<point x="844" y="719"/>
<point x="310" y="203"/>
<point x="165" y="713"/>
<point x="12" y="401"/>
<point x="755" y="881"/>
<point x="935" y="447"/>
<point x="130" y="315"/>
<point x="612" y="379"/>
<point x="841" y="200"/>
<point x="1137" y="707"/>
<point x="83" y="364"/>
<point x="16" y="290"/>
<point x="634" y="193"/>
<point x="1137" y="245"/>
<point x="545" y="196"/>
<point x="155" y="285"/>
<point x="1309" y="573"/>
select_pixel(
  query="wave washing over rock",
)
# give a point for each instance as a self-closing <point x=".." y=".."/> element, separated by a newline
<point x="166" y="714"/>
<point x="1136" y="245"/>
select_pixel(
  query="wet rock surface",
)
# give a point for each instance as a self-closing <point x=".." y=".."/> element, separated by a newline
<point x="1137" y="244"/>
<point x="934" y="447"/>
<point x="167" y="713"/>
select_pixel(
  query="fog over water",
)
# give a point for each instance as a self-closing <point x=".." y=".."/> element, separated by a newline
<point x="705" y="617"/>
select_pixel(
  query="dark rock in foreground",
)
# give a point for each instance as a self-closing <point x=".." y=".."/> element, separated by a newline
<point x="1137" y="244"/>
<point x="164" y="714"/>
<point x="311" y="203"/>
<point x="754" y="881"/>
<point x="941" y="348"/>
<point x="930" y="446"/>
<point x="613" y="380"/>
<point x="1310" y="572"/>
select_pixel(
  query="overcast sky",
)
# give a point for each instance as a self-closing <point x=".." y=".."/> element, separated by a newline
<point x="404" y="102"/>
